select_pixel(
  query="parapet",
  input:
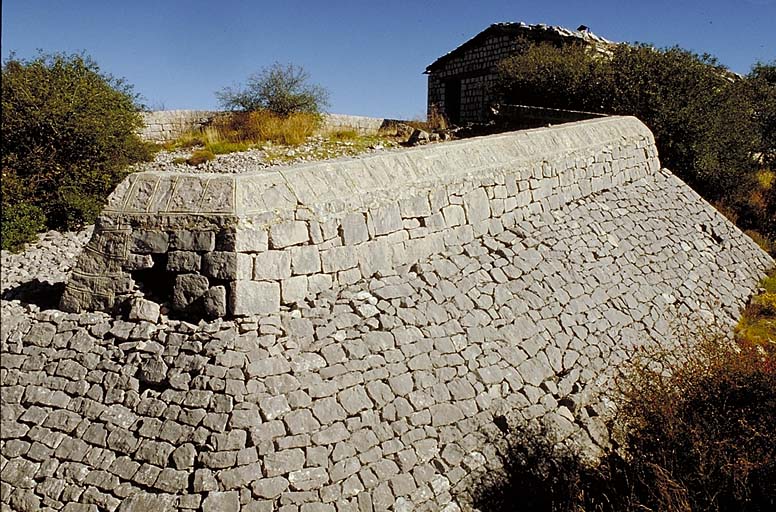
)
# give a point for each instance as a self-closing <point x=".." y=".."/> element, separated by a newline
<point x="248" y="243"/>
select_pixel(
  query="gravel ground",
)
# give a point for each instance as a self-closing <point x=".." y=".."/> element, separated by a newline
<point x="316" y="148"/>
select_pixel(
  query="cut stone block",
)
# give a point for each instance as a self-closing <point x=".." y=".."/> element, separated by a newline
<point x="214" y="302"/>
<point x="149" y="242"/>
<point x="354" y="230"/>
<point x="183" y="261"/>
<point x="305" y="260"/>
<point x="254" y="298"/>
<point x="187" y="289"/>
<point x="294" y="289"/>
<point x="202" y="241"/>
<point x="339" y="258"/>
<point x="288" y="233"/>
<point x="251" y="240"/>
<point x="384" y="220"/>
<point x="272" y="265"/>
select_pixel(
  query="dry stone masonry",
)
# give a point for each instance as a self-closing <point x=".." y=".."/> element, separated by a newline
<point x="384" y="311"/>
<point x="235" y="245"/>
<point x="168" y="125"/>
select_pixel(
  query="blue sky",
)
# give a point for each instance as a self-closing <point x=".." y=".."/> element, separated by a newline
<point x="370" y="55"/>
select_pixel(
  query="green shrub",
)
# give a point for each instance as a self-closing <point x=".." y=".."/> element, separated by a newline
<point x="69" y="131"/>
<point x="282" y="89"/>
<point x="700" y="435"/>
<point x="762" y="81"/>
<point x="700" y="114"/>
<point x="20" y="223"/>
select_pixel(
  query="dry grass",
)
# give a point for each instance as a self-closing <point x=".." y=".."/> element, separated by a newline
<point x="699" y="435"/>
<point x="757" y="326"/>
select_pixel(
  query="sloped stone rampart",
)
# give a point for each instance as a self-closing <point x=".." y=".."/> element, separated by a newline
<point x="378" y="393"/>
<point x="253" y="241"/>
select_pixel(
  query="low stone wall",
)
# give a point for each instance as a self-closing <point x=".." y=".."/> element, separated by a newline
<point x="167" y="125"/>
<point x="361" y="124"/>
<point x="445" y="290"/>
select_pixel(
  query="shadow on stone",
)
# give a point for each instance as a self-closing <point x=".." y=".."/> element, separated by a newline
<point x="40" y="293"/>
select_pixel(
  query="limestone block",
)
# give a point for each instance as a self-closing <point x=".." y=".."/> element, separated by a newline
<point x="254" y="298"/>
<point x="384" y="220"/>
<point x="417" y="206"/>
<point x="374" y="258"/>
<point x="272" y="265"/>
<point x="227" y="265"/>
<point x="203" y="241"/>
<point x="149" y="242"/>
<point x="288" y="233"/>
<point x="187" y="289"/>
<point x="183" y="261"/>
<point x="354" y="229"/>
<point x="339" y="258"/>
<point x="477" y="206"/>
<point x="251" y="240"/>
<point x="294" y="289"/>
<point x="454" y="215"/>
<point x="306" y="259"/>
<point x="145" y="310"/>
<point x="214" y="302"/>
<point x="222" y="502"/>
<point x="135" y="262"/>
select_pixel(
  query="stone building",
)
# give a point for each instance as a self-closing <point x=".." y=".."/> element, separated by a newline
<point x="460" y="83"/>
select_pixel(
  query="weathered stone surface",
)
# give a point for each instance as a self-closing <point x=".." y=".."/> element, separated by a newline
<point x="272" y="265"/>
<point x="288" y="233"/>
<point x="145" y="310"/>
<point x="187" y="289"/>
<point x="354" y="230"/>
<point x="200" y="241"/>
<point x="380" y="386"/>
<point x="214" y="302"/>
<point x="254" y="298"/>
<point x="222" y="502"/>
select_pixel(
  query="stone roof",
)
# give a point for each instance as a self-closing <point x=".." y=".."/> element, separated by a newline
<point x="538" y="31"/>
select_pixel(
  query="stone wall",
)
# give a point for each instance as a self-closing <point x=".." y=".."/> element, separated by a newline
<point x="446" y="287"/>
<point x="475" y="68"/>
<point x="246" y="243"/>
<point x="167" y="125"/>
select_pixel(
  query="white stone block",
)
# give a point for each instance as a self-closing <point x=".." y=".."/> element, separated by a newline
<point x="254" y="298"/>
<point x="288" y="233"/>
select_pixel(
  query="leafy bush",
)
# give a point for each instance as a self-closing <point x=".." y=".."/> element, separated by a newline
<point x="700" y="435"/>
<point x="68" y="133"/>
<point x="689" y="101"/>
<point x="762" y="81"/>
<point x="282" y="89"/>
<point x="20" y="223"/>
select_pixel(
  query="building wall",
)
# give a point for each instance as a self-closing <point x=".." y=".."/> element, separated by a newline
<point x="476" y="68"/>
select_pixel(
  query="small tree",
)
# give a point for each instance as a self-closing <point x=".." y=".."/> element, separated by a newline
<point x="763" y="84"/>
<point x="283" y="89"/>
<point x="68" y="133"/>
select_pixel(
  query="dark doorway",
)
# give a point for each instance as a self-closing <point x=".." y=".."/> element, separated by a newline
<point x="453" y="100"/>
